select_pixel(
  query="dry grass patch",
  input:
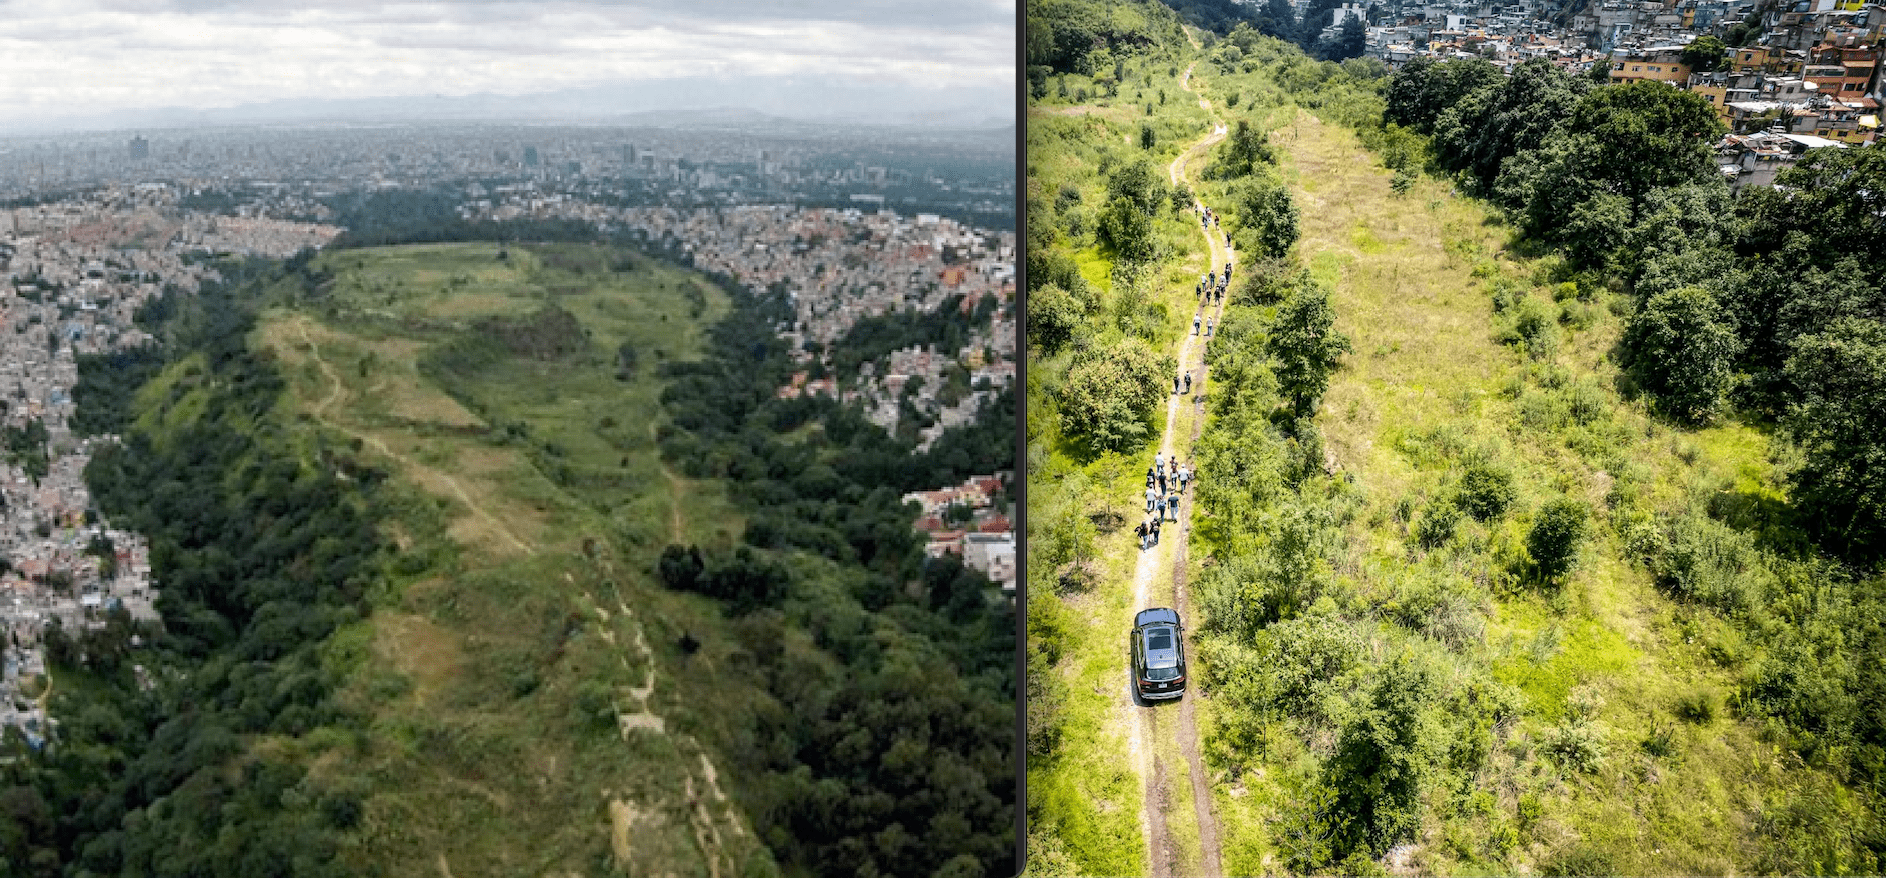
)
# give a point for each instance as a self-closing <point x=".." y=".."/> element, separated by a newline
<point x="421" y="650"/>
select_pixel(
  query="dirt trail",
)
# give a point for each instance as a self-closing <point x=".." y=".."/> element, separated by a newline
<point x="1144" y="728"/>
<point x="677" y="530"/>
<point x="705" y="821"/>
<point x="335" y="391"/>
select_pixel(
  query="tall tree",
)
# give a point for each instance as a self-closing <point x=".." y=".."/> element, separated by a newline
<point x="1306" y="346"/>
<point x="1683" y="349"/>
<point x="1839" y="420"/>
<point x="1110" y="393"/>
<point x="1267" y="217"/>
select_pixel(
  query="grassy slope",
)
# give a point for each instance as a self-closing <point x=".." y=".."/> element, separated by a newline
<point x="497" y="673"/>
<point x="1426" y="372"/>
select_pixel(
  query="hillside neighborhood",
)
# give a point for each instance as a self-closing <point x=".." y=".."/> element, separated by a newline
<point x="77" y="270"/>
<point x="837" y="267"/>
<point x="1789" y="76"/>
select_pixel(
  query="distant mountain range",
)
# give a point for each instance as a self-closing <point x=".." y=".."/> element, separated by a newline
<point x="693" y="102"/>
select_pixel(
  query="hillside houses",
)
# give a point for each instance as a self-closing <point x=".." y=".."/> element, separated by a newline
<point x="968" y="521"/>
<point x="1812" y="70"/>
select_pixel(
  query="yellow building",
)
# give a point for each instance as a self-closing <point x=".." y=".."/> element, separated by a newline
<point x="1661" y="63"/>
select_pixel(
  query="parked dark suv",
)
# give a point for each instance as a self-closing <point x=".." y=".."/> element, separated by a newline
<point x="1158" y="654"/>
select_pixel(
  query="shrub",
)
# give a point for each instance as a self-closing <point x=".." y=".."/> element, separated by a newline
<point x="1577" y="315"/>
<point x="1385" y="754"/>
<point x="1555" y="536"/>
<point x="1437" y="524"/>
<point x="1579" y="861"/>
<point x="1485" y="489"/>
<point x="1309" y="830"/>
<point x="1578" y="746"/>
<point x="1682" y="347"/>
<point x="1697" y="706"/>
<point x="1532" y="324"/>
<point x="1701" y="560"/>
<point x="1661" y="742"/>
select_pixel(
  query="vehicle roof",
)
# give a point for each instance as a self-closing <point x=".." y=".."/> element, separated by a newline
<point x="1156" y="615"/>
<point x="1161" y="658"/>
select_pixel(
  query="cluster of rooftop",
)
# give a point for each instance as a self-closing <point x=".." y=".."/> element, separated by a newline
<point x="970" y="521"/>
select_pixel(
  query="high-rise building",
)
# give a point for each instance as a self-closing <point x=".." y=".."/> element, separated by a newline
<point x="140" y="148"/>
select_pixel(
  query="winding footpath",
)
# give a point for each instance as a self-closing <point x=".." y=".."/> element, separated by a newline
<point x="1162" y="854"/>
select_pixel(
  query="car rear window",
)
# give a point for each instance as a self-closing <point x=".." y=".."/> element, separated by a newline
<point x="1161" y="639"/>
<point x="1162" y="673"/>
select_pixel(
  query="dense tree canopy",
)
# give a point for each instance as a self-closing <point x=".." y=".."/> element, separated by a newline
<point x="1684" y="349"/>
<point x="1624" y="139"/>
<point x="1501" y="117"/>
<point x="1111" y="393"/>
<point x="1839" y="419"/>
<point x="1423" y="89"/>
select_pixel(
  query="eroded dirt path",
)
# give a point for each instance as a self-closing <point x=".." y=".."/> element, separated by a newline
<point x="422" y="473"/>
<point x="708" y="808"/>
<point x="1161" y="853"/>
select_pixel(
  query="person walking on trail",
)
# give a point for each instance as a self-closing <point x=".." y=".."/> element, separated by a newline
<point x="1150" y="494"/>
<point x="1172" y="502"/>
<point x="1195" y="324"/>
<point x="1139" y="530"/>
<point x="1208" y="327"/>
<point x="1175" y="384"/>
<point x="1188" y="382"/>
<point x="1155" y="531"/>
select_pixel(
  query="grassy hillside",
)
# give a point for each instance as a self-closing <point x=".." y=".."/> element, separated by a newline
<point x="531" y="707"/>
<point x="1400" y="671"/>
<point x="435" y="602"/>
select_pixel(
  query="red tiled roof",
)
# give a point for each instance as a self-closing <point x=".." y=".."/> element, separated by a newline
<point x="998" y="524"/>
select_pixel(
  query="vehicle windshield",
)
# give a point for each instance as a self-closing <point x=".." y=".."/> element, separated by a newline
<point x="1162" y="673"/>
<point x="1161" y="639"/>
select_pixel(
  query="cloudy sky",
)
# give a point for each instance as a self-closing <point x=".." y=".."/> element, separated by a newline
<point x="92" y="58"/>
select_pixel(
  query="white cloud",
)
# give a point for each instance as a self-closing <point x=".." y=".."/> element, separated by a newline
<point x="106" y="55"/>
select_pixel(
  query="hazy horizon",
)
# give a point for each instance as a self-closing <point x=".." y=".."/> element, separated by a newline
<point x="109" y="65"/>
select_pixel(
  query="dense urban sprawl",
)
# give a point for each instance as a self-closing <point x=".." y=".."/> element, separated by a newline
<point x="1789" y="77"/>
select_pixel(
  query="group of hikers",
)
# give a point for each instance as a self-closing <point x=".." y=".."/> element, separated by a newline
<point x="1211" y="288"/>
<point x="1165" y="481"/>
<point x="1208" y="219"/>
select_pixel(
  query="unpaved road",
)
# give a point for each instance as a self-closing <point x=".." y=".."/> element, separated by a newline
<point x="1144" y="725"/>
